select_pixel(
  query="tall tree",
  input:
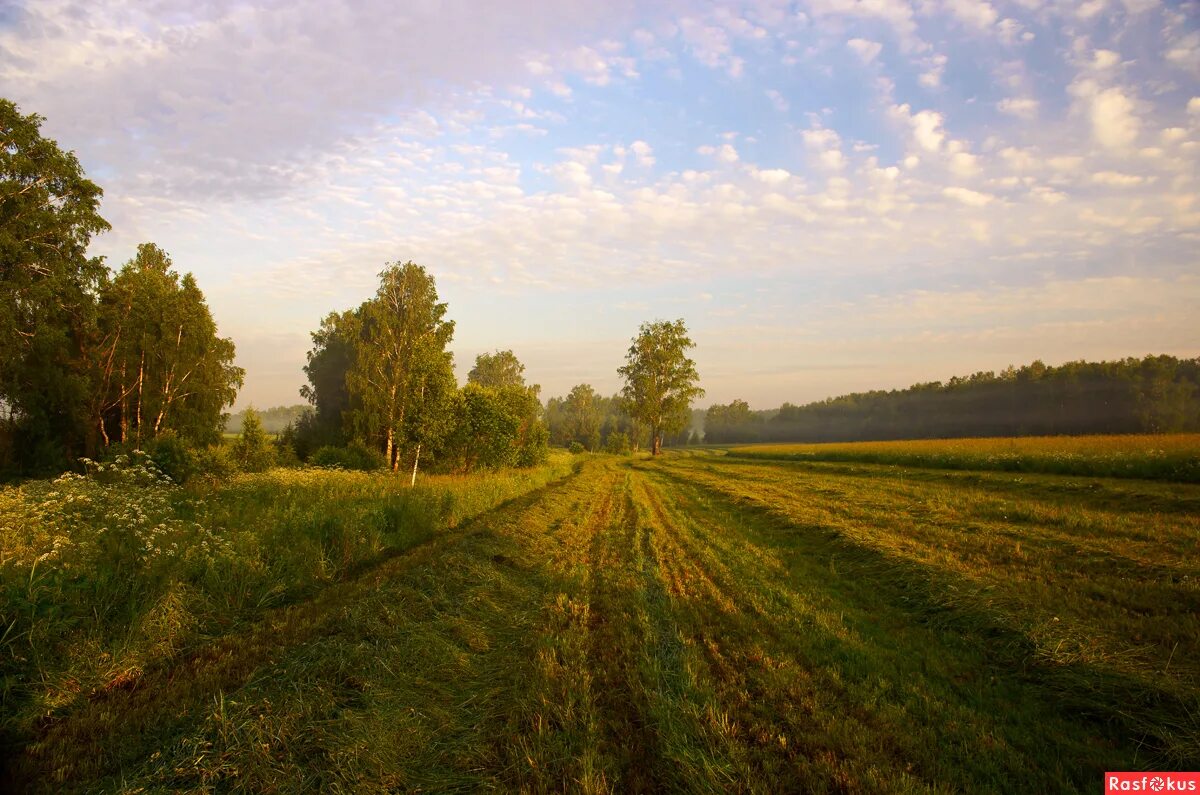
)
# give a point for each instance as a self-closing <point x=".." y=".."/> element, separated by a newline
<point x="498" y="369"/>
<point x="401" y="375"/>
<point x="660" y="380"/>
<point x="162" y="365"/>
<point x="329" y="364"/>
<point x="583" y="416"/>
<point x="48" y="214"/>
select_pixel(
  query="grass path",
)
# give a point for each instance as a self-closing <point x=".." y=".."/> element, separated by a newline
<point x="702" y="625"/>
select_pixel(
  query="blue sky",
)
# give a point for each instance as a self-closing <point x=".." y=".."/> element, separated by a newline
<point x="834" y="194"/>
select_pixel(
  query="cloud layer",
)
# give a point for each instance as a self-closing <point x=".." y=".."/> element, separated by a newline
<point x="834" y="194"/>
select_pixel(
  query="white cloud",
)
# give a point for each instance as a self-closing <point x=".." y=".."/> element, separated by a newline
<point x="968" y="197"/>
<point x="1184" y="52"/>
<point x="778" y="100"/>
<point x="978" y="14"/>
<point x="643" y="152"/>
<point x="1117" y="179"/>
<point x="1105" y="59"/>
<point x="896" y="13"/>
<point x="927" y="129"/>
<point x="964" y="164"/>
<point x="826" y="144"/>
<point x="934" y="67"/>
<point x="1047" y="195"/>
<point x="1193" y="106"/>
<point x="1012" y="32"/>
<point x="1022" y="107"/>
<point x="772" y="176"/>
<point x="866" y="50"/>
<point x="1113" y="115"/>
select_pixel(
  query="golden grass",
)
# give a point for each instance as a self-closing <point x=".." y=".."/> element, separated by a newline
<point x="1152" y="456"/>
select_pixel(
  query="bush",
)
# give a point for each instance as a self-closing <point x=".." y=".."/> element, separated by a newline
<point x="308" y="433"/>
<point x="285" y="454"/>
<point x="253" y="450"/>
<point x="617" y="443"/>
<point x="575" y="447"/>
<point x="356" y="456"/>
<point x="172" y="456"/>
<point x="215" y="462"/>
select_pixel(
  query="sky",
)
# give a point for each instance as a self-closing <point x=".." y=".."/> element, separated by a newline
<point x="835" y="195"/>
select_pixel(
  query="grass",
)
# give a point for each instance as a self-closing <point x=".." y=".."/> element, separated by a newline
<point x="104" y="580"/>
<point x="703" y="623"/>
<point x="1158" y="457"/>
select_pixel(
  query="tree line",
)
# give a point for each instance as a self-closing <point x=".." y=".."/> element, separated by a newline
<point x="95" y="362"/>
<point x="91" y="359"/>
<point x="380" y="376"/>
<point x="1154" y="394"/>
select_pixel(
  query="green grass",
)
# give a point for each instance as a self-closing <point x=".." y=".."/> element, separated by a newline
<point x="704" y="623"/>
<point x="1159" y="457"/>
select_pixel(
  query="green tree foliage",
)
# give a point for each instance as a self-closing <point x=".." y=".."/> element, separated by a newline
<point x="329" y="362"/>
<point x="498" y="425"/>
<point x="401" y="379"/>
<point x="732" y="422"/>
<point x="583" y="418"/>
<point x="48" y="214"/>
<point x="617" y="443"/>
<point x="1155" y="394"/>
<point x="163" y="365"/>
<point x="253" y="451"/>
<point x="499" y="369"/>
<point x="571" y="418"/>
<point x="660" y="380"/>
<point x="88" y="359"/>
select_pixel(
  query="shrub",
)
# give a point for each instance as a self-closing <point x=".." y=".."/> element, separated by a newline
<point x="356" y="456"/>
<point x="285" y="454"/>
<point x="617" y="443"/>
<point x="575" y="447"/>
<point x="215" y="462"/>
<point x="253" y="450"/>
<point x="364" y="458"/>
<point x="172" y="456"/>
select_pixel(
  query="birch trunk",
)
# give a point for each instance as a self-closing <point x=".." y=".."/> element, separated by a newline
<point x="416" y="458"/>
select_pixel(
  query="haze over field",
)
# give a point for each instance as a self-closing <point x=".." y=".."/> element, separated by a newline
<point x="836" y="195"/>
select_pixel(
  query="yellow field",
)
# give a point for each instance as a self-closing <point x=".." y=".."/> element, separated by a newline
<point x="1158" y="456"/>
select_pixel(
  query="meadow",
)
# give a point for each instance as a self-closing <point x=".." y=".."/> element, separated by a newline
<point x="1173" y="457"/>
<point x="702" y="622"/>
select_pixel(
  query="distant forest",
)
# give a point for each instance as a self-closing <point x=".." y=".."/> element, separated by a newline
<point x="273" y="420"/>
<point x="1156" y="394"/>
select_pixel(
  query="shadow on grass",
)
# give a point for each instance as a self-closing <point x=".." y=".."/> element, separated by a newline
<point x="1133" y="719"/>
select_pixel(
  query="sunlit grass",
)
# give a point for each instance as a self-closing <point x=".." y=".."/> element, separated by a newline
<point x="704" y="623"/>
<point x="103" y="577"/>
<point x="1159" y="457"/>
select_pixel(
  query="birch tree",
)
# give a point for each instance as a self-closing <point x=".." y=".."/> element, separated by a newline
<point x="660" y="380"/>
<point x="402" y="378"/>
<point x="161" y="364"/>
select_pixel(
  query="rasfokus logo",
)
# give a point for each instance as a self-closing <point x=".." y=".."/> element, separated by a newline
<point x="1152" y="782"/>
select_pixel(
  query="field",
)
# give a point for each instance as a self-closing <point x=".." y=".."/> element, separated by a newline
<point x="1174" y="457"/>
<point x="703" y="622"/>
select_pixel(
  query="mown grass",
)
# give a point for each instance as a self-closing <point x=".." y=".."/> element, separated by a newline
<point x="1173" y="457"/>
<point x="697" y="623"/>
<point x="101" y="581"/>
